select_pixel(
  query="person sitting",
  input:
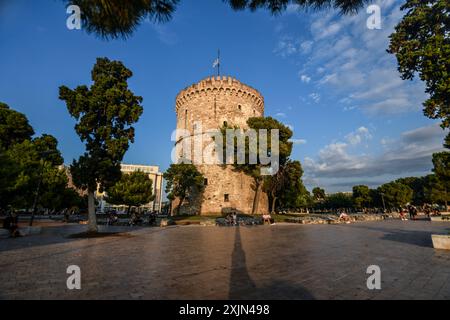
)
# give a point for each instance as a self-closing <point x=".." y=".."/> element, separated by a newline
<point x="344" y="217"/>
<point x="267" y="218"/>
<point x="11" y="223"/>
<point x="403" y="215"/>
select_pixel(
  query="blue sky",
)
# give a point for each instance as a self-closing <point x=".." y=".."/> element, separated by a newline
<point x="327" y="76"/>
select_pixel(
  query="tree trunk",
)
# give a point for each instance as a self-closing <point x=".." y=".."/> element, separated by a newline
<point x="274" y="201"/>
<point x="92" y="215"/>
<point x="257" y="196"/>
<point x="128" y="211"/>
<point x="446" y="200"/>
<point x="179" y="206"/>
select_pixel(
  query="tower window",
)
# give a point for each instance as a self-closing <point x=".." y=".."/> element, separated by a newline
<point x="226" y="197"/>
<point x="225" y="124"/>
<point x="240" y="107"/>
<point x="205" y="182"/>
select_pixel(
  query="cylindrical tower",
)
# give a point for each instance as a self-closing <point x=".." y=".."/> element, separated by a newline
<point x="214" y="102"/>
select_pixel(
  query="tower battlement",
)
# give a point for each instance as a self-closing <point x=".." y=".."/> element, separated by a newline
<point x="224" y="85"/>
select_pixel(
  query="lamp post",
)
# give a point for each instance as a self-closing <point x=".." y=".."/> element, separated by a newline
<point x="41" y="174"/>
<point x="384" y="204"/>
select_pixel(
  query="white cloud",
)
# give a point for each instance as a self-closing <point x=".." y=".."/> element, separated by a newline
<point x="408" y="155"/>
<point x="352" y="61"/>
<point x="305" y="78"/>
<point x="281" y="115"/>
<point x="298" y="141"/>
<point x="360" y="135"/>
<point x="315" y="97"/>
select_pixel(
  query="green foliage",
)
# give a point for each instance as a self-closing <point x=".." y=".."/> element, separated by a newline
<point x="14" y="127"/>
<point x="361" y="196"/>
<point x="182" y="180"/>
<point x="287" y="187"/>
<point x="319" y="194"/>
<point x="396" y="194"/>
<point x="254" y="170"/>
<point x="441" y="162"/>
<point x="435" y="190"/>
<point x="25" y="164"/>
<point x="118" y="19"/>
<point x="338" y="201"/>
<point x="132" y="190"/>
<point x="105" y="115"/>
<point x="421" y="44"/>
<point x="278" y="6"/>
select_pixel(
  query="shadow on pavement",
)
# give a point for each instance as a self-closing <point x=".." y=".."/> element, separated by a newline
<point x="242" y="286"/>
<point x="413" y="237"/>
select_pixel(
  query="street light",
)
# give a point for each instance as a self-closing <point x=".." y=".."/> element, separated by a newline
<point x="384" y="204"/>
<point x="41" y="174"/>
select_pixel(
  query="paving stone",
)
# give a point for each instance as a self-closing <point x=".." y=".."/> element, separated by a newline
<point x="277" y="262"/>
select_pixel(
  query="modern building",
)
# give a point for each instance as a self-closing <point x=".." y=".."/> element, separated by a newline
<point x="211" y="104"/>
<point x="157" y="178"/>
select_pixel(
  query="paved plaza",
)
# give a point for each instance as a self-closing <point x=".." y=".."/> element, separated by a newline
<point x="270" y="262"/>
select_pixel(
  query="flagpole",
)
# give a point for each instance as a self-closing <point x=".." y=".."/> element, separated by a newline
<point x="218" y="66"/>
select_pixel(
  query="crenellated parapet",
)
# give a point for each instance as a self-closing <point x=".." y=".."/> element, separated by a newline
<point x="223" y="86"/>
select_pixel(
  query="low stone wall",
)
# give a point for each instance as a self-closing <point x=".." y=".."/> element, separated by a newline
<point x="333" y="219"/>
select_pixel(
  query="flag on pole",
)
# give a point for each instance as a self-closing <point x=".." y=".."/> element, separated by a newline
<point x="216" y="63"/>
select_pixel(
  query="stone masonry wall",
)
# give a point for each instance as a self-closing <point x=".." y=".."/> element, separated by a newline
<point x="214" y="102"/>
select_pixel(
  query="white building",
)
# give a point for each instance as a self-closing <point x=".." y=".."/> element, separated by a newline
<point x="154" y="175"/>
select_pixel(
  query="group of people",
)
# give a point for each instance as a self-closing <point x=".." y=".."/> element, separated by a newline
<point x="413" y="212"/>
<point x="232" y="219"/>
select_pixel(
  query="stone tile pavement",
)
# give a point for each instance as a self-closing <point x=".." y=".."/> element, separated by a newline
<point x="270" y="262"/>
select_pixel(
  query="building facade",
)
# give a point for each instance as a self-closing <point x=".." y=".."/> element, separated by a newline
<point x="157" y="178"/>
<point x="211" y="104"/>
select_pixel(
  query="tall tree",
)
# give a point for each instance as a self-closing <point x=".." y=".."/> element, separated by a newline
<point x="105" y="115"/>
<point x="441" y="162"/>
<point x="254" y="170"/>
<point x="132" y="190"/>
<point x="183" y="180"/>
<point x="287" y="187"/>
<point x="421" y="44"/>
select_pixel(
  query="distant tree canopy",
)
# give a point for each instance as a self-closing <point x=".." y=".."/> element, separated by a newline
<point x="318" y="194"/>
<point x="396" y="195"/>
<point x="421" y="44"/>
<point x="361" y="196"/>
<point x="132" y="190"/>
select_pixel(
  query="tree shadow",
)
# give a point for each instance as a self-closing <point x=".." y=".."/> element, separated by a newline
<point x="412" y="237"/>
<point x="242" y="287"/>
